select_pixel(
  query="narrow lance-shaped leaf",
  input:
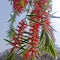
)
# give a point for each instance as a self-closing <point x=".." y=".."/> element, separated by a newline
<point x="10" y="57"/>
<point x="12" y="19"/>
<point x="42" y="33"/>
<point x="53" y="49"/>
<point x="31" y="15"/>
<point x="22" y="3"/>
<point x="24" y="41"/>
<point x="32" y="58"/>
<point x="22" y="47"/>
<point x="11" y="32"/>
<point x="34" y="20"/>
<point x="46" y="40"/>
<point x="8" y="40"/>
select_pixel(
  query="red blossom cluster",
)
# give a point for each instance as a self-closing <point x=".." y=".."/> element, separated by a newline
<point x="40" y="13"/>
<point x="17" y="39"/>
<point x="33" y="42"/>
<point x="18" y="5"/>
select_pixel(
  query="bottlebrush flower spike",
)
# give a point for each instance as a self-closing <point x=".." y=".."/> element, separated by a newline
<point x="33" y="42"/>
<point x="19" y="5"/>
<point x="17" y="39"/>
<point x="42" y="13"/>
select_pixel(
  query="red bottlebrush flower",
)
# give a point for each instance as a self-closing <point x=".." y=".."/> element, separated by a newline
<point x="34" y="38"/>
<point x="40" y="4"/>
<point x="36" y="15"/>
<point x="46" y="14"/>
<point x="39" y="7"/>
<point x="42" y="14"/>
<point x="47" y="24"/>
<point x="17" y="39"/>
<point x="18" y="5"/>
<point x="33" y="41"/>
<point x="36" y="26"/>
<point x="27" y="55"/>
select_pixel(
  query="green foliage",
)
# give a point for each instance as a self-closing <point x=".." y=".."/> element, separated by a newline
<point x="32" y="58"/>
<point x="12" y="19"/>
<point x="11" y="32"/>
<point x="10" y="57"/>
<point x="52" y="49"/>
<point x="47" y="45"/>
<point x="46" y="40"/>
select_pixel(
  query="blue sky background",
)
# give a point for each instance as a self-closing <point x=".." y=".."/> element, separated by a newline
<point x="5" y="9"/>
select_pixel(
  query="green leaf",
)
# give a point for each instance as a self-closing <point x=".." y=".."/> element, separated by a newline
<point x="33" y="20"/>
<point x="42" y="34"/>
<point x="24" y="41"/>
<point x="22" y="47"/>
<point x="12" y="19"/>
<point x="11" y="32"/>
<point x="41" y="41"/>
<point x="8" y="40"/>
<point x="20" y="53"/>
<point x="52" y="50"/>
<point x="32" y="58"/>
<point x="52" y="28"/>
<point x="24" y="52"/>
<point x="31" y="15"/>
<point x="27" y="32"/>
<point x="22" y="3"/>
<point x="10" y="57"/>
<point x="46" y="40"/>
